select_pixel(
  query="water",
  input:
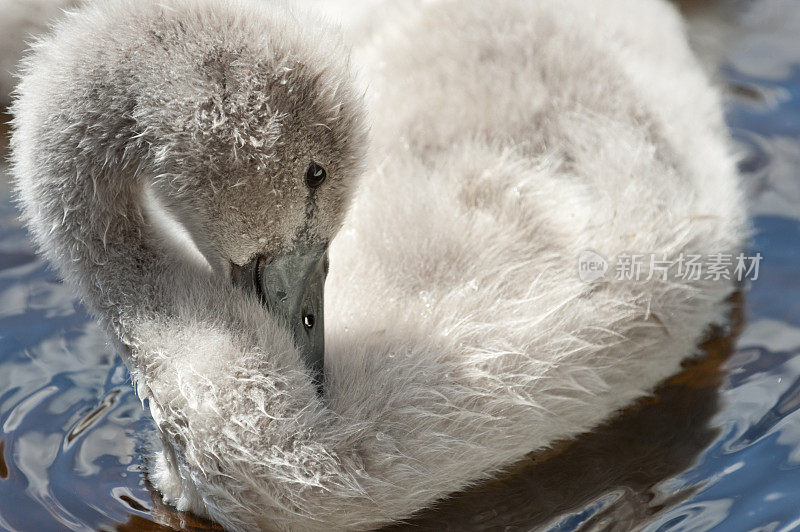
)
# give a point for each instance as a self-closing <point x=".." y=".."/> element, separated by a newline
<point x="717" y="447"/>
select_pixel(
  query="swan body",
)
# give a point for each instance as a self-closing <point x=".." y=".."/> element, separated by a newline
<point x="459" y="337"/>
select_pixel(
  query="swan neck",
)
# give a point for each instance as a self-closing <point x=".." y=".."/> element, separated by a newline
<point x="109" y="248"/>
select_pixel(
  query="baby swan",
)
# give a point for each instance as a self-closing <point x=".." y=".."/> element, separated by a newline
<point x="509" y="140"/>
<point x="240" y="120"/>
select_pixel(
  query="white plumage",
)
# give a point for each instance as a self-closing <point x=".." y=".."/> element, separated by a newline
<point x="507" y="138"/>
<point x="21" y="21"/>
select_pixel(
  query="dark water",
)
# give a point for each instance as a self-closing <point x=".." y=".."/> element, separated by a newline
<point x="717" y="447"/>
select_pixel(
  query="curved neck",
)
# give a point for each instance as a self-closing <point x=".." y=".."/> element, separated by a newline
<point x="103" y="239"/>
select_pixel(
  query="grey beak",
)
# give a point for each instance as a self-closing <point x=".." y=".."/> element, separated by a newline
<point x="291" y="286"/>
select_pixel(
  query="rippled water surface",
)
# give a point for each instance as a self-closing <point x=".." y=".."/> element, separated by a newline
<point x="717" y="447"/>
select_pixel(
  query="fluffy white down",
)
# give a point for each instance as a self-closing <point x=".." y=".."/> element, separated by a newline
<point x="507" y="138"/>
<point x="20" y="22"/>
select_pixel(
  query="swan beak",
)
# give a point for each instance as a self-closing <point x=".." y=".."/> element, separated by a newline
<point x="291" y="286"/>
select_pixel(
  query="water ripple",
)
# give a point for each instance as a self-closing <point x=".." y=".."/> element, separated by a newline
<point x="717" y="447"/>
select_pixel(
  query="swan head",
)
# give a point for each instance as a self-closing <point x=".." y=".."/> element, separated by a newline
<point x="271" y="167"/>
<point x="241" y="118"/>
<point x="267" y="142"/>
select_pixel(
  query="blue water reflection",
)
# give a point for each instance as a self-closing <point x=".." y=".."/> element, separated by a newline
<point x="724" y="455"/>
<point x="72" y="429"/>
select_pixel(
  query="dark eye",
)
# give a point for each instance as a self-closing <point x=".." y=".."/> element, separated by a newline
<point x="315" y="175"/>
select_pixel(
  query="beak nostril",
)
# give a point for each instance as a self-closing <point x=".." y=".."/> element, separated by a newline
<point x="262" y="261"/>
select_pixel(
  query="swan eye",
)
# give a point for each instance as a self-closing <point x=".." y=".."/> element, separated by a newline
<point x="315" y="175"/>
